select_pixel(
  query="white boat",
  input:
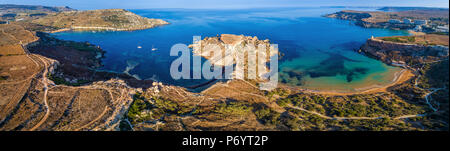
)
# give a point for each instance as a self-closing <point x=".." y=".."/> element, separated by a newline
<point x="139" y="47"/>
<point x="153" y="48"/>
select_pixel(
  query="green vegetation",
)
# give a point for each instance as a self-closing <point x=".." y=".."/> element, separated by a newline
<point x="233" y="108"/>
<point x="278" y="92"/>
<point x="172" y="107"/>
<point x="407" y="39"/>
<point x="116" y="20"/>
<point x="435" y="75"/>
<point x="81" y="46"/>
<point x="143" y="110"/>
<point x="305" y="121"/>
<point x="353" y="106"/>
<point x="62" y="81"/>
<point x="139" y="104"/>
<point x="268" y="116"/>
<point x="3" y="78"/>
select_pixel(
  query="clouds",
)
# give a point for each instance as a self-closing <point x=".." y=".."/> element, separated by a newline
<point x="140" y="4"/>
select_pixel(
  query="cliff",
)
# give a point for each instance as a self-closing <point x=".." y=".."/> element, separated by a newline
<point x="395" y="53"/>
<point x="108" y="19"/>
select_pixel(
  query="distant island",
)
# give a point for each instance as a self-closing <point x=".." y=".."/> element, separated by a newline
<point x="397" y="9"/>
<point x="57" y="19"/>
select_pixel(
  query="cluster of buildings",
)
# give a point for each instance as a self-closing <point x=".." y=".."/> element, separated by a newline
<point x="408" y="21"/>
<point x="442" y="29"/>
<point x="421" y="25"/>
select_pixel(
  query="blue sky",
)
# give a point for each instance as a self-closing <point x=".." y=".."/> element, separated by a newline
<point x="140" y="4"/>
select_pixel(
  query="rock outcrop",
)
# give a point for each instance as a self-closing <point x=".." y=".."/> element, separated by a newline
<point x="233" y="47"/>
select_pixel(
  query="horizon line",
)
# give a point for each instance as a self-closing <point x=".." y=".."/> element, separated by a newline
<point x="230" y="8"/>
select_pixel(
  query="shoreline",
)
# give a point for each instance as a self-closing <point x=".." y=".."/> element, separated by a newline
<point x="80" y="28"/>
<point x="405" y="75"/>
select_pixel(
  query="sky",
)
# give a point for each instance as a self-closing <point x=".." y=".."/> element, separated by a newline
<point x="222" y="4"/>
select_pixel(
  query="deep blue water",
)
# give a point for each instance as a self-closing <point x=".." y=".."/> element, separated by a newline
<point x="316" y="49"/>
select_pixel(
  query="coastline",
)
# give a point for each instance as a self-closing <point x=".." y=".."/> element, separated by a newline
<point x="87" y="28"/>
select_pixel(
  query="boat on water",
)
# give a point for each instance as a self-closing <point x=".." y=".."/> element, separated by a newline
<point x="154" y="49"/>
<point x="139" y="47"/>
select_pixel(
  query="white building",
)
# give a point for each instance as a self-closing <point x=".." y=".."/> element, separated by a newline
<point x="407" y="21"/>
<point x="420" y="22"/>
<point x="418" y="28"/>
<point x="398" y="63"/>
<point x="394" y="21"/>
<point x="442" y="28"/>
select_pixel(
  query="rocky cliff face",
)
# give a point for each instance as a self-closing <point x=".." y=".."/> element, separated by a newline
<point x="108" y="19"/>
<point x="391" y="52"/>
<point x="349" y="15"/>
<point x="234" y="47"/>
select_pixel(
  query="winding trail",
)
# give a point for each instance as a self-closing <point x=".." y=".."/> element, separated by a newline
<point x="354" y="118"/>
<point x="428" y="97"/>
<point x="95" y="120"/>
<point x="45" y="82"/>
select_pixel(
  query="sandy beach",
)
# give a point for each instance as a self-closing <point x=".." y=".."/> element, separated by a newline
<point x="404" y="76"/>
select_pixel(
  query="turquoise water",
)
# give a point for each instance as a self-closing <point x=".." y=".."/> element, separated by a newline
<point x="318" y="52"/>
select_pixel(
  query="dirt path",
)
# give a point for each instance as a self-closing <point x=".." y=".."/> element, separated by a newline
<point x="428" y="97"/>
<point x="45" y="82"/>
<point x="95" y="120"/>
<point x="353" y="118"/>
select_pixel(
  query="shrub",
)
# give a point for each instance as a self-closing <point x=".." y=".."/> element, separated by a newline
<point x="267" y="116"/>
<point x="136" y="108"/>
<point x="233" y="108"/>
<point x="3" y="78"/>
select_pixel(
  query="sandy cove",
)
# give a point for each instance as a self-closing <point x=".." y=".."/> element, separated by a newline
<point x="405" y="75"/>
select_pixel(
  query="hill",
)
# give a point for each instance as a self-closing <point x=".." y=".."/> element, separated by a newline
<point x="10" y="8"/>
<point x="395" y="9"/>
<point x="108" y="19"/>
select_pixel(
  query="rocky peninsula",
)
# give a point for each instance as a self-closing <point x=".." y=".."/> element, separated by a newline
<point x="234" y="47"/>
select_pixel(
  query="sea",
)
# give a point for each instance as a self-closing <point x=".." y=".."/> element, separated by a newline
<point x="318" y="53"/>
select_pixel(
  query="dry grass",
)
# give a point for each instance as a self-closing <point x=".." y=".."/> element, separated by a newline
<point x="17" y="68"/>
<point x="426" y="39"/>
<point x="14" y="34"/>
<point x="6" y="50"/>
